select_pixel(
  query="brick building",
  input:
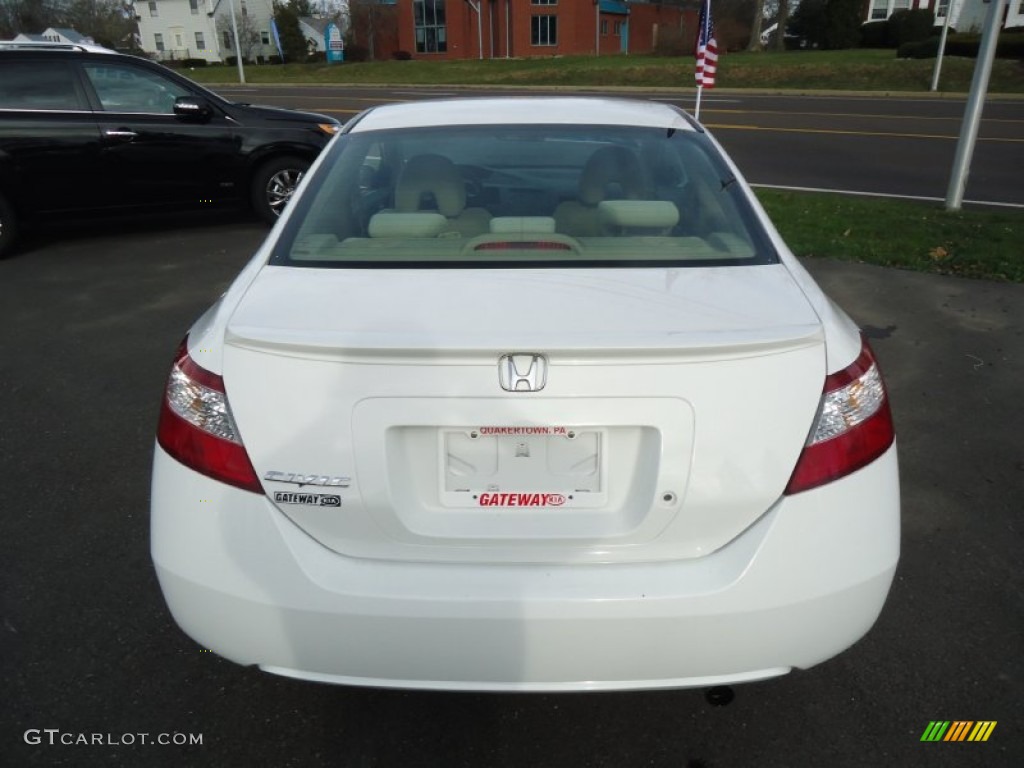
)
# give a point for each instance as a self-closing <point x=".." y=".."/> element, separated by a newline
<point x="467" y="29"/>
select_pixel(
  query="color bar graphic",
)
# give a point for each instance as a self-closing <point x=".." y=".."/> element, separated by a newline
<point x="982" y="730"/>
<point x="958" y="730"/>
<point x="935" y="731"/>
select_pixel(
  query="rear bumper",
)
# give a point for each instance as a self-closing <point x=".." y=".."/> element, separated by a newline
<point x="801" y="585"/>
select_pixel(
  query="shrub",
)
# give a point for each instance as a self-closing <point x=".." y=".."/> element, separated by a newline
<point x="183" y="63"/>
<point x="401" y="55"/>
<point x="910" y="26"/>
<point x="672" y="41"/>
<point x="875" y="35"/>
<point x="842" y="24"/>
<point x="356" y="52"/>
<point x="828" y="24"/>
<point x="963" y="45"/>
<point x="902" y="27"/>
<point x="1010" y="46"/>
<point x="920" y="49"/>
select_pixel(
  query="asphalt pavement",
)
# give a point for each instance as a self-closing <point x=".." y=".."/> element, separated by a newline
<point x="88" y="650"/>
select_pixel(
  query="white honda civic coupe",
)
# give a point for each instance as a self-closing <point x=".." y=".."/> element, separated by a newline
<point x="525" y="394"/>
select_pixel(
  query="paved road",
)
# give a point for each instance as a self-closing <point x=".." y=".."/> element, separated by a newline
<point x="901" y="145"/>
<point x="86" y="646"/>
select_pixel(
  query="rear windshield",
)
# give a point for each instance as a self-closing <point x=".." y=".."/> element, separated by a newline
<point x="508" y="196"/>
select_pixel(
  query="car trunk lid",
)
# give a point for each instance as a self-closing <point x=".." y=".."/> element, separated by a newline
<point x="672" y="407"/>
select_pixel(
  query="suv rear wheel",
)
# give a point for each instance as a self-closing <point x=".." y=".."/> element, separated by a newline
<point x="273" y="185"/>
<point x="8" y="228"/>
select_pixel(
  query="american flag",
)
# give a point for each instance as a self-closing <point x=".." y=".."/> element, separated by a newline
<point x="707" y="48"/>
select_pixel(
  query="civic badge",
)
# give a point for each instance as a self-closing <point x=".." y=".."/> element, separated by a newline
<point x="522" y="372"/>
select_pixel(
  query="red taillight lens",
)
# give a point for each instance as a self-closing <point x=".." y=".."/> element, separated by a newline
<point x="196" y="427"/>
<point x="853" y="427"/>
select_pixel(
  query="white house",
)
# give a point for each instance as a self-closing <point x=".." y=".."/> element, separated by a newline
<point x="313" y="29"/>
<point x="202" y="29"/>
<point x="56" y="35"/>
<point x="968" y="15"/>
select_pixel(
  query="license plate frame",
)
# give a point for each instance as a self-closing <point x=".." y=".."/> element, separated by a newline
<point x="523" y="467"/>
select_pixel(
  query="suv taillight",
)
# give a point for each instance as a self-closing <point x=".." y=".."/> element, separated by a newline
<point x="853" y="426"/>
<point x="196" y="426"/>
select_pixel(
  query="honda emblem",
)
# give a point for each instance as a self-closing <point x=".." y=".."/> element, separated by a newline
<point x="522" y="372"/>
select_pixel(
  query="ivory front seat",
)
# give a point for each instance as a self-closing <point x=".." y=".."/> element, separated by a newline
<point x="433" y="183"/>
<point x="611" y="173"/>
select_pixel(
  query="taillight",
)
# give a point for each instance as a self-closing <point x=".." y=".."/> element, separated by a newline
<point x="196" y="427"/>
<point x="853" y="426"/>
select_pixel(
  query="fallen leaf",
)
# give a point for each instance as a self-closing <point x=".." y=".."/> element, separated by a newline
<point x="938" y="253"/>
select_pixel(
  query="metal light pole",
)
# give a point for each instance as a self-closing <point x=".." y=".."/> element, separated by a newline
<point x="479" y="28"/>
<point x="972" y="116"/>
<point x="942" y="45"/>
<point x="238" y="45"/>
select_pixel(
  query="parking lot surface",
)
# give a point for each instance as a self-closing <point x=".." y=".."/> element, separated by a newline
<point x="90" y="322"/>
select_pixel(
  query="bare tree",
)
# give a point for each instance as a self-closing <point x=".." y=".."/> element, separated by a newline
<point x="733" y="23"/>
<point x="365" y="19"/>
<point x="108" y="22"/>
<point x="29" y="16"/>
<point x="783" y="21"/>
<point x="755" y="27"/>
<point x="249" y="37"/>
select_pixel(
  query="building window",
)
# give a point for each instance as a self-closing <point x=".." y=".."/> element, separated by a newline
<point x="200" y="41"/>
<point x="158" y="39"/>
<point x="265" y="38"/>
<point x="543" y="2"/>
<point x="245" y="11"/>
<point x="883" y="9"/>
<point x="227" y="39"/>
<point x="152" y="8"/>
<point x="543" y="30"/>
<point x="430" y="26"/>
<point x="604" y="26"/>
<point x="618" y="28"/>
<point x="194" y="6"/>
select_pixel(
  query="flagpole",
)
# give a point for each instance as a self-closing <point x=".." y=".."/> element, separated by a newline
<point x="707" y="54"/>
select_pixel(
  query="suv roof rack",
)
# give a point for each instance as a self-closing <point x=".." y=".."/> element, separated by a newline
<point x="46" y="45"/>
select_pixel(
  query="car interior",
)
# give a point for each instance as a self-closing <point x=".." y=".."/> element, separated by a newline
<point x="524" y="198"/>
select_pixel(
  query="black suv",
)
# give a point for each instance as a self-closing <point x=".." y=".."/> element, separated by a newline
<point x="85" y="131"/>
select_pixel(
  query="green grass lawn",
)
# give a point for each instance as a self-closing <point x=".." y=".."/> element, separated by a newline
<point x="853" y="70"/>
<point x="901" y="233"/>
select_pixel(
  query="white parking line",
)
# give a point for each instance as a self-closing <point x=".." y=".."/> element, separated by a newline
<point x="854" y="193"/>
<point x="684" y="99"/>
<point x="429" y="94"/>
